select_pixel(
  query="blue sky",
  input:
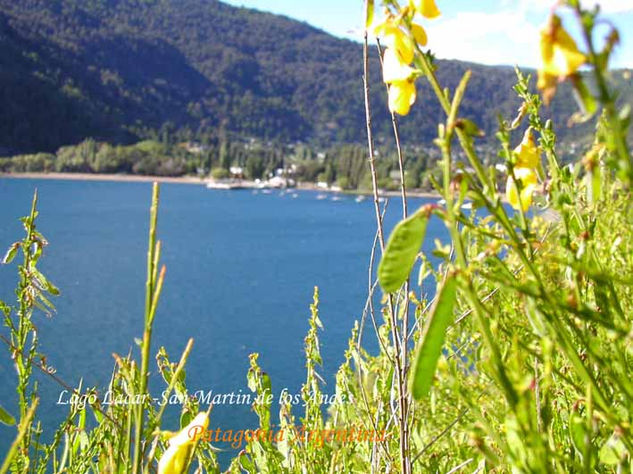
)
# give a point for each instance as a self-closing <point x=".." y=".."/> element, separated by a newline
<point x="484" y="31"/>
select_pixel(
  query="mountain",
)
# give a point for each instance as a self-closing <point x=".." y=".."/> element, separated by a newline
<point x="118" y="70"/>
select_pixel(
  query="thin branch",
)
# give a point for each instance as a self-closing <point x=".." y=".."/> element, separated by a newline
<point x="446" y="429"/>
<point x="464" y="464"/>
<point x="404" y="461"/>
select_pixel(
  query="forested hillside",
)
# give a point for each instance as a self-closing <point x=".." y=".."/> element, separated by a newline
<point x="121" y="70"/>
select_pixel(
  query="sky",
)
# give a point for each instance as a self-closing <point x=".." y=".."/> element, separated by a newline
<point x="483" y="31"/>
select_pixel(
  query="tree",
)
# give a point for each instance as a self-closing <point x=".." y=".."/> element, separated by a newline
<point x="219" y="173"/>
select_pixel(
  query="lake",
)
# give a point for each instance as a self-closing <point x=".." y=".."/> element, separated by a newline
<point x="241" y="268"/>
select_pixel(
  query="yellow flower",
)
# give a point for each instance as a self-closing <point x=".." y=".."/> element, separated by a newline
<point x="559" y="52"/>
<point x="174" y="459"/>
<point x="401" y="96"/>
<point x="560" y="57"/>
<point x="520" y="197"/>
<point x="419" y="34"/>
<point x="396" y="39"/>
<point x="399" y="76"/>
<point x="427" y="8"/>
<point x="527" y="153"/>
<point x="393" y="69"/>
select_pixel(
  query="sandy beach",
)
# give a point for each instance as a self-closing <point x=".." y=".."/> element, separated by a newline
<point x="105" y="177"/>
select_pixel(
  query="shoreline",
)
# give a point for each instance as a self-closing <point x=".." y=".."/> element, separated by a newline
<point x="133" y="178"/>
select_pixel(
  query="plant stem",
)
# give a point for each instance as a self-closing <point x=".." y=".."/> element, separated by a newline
<point x="606" y="98"/>
<point x="404" y="338"/>
<point x="150" y="298"/>
<point x="405" y="464"/>
<point x="25" y="425"/>
<point x="24" y="315"/>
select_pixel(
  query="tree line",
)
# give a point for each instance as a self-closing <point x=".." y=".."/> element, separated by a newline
<point x="344" y="166"/>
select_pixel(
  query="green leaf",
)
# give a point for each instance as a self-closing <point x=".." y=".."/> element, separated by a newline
<point x="6" y="418"/>
<point x="430" y="347"/>
<point x="402" y="249"/>
<point x="185" y="418"/>
<point x="52" y="289"/>
<point x="585" y="100"/>
<point x="246" y="463"/>
<point x="10" y="255"/>
<point x="577" y="432"/>
<point x="4" y="308"/>
<point x="469" y="127"/>
<point x="612" y="452"/>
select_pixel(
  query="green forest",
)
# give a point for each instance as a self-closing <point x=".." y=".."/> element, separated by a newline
<point x="123" y="71"/>
<point x="339" y="165"/>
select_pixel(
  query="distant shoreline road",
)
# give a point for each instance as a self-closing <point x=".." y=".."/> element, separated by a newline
<point x="133" y="178"/>
<point x="105" y="177"/>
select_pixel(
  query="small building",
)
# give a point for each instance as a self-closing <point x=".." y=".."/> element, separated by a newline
<point x="236" y="172"/>
<point x="279" y="182"/>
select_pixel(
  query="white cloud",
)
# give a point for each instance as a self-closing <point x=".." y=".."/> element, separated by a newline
<point x="503" y="37"/>
<point x="608" y="7"/>
<point x="616" y="6"/>
<point x="510" y="34"/>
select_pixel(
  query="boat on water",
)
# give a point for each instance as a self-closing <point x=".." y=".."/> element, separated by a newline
<point x="224" y="185"/>
<point x="337" y="198"/>
<point x="360" y="198"/>
<point x="320" y="197"/>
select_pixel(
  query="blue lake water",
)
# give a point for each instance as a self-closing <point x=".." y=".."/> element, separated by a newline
<point x="241" y="268"/>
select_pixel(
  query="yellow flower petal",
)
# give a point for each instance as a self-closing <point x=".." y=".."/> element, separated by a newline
<point x="521" y="197"/>
<point x="565" y="46"/>
<point x="547" y="39"/>
<point x="528" y="154"/>
<point x="401" y="96"/>
<point x="559" y="54"/>
<point x="560" y="57"/>
<point x="545" y="80"/>
<point x="393" y="69"/>
<point x="395" y="38"/>
<point x="174" y="459"/>
<point x="419" y="34"/>
<point x="565" y="61"/>
<point x="427" y="8"/>
<point x="378" y="29"/>
<point x="547" y="84"/>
